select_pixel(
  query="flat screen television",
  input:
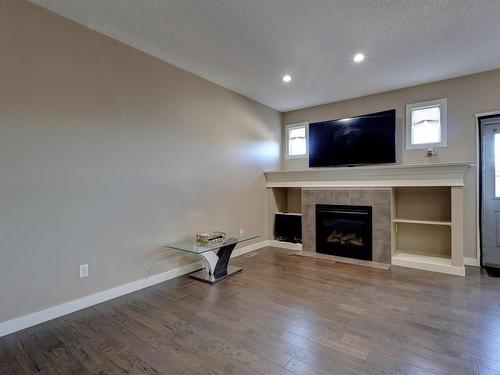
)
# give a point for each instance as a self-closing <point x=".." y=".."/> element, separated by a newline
<point x="361" y="140"/>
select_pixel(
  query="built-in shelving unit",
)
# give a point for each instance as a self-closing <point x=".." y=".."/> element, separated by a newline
<point x="427" y="207"/>
<point x="423" y="229"/>
<point x="287" y="200"/>
<point x="284" y="200"/>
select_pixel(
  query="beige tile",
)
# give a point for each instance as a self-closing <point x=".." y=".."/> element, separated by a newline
<point x="381" y="197"/>
<point x="333" y="259"/>
<point x="323" y="197"/>
<point x="382" y="251"/>
<point x="308" y="228"/>
<point x="308" y="219"/>
<point x="380" y="200"/>
<point x="342" y="197"/>
<point x="307" y="196"/>
<point x="381" y="234"/>
<point x="361" y="197"/>
<point x="308" y="242"/>
<point x="308" y="211"/>
<point x="381" y="217"/>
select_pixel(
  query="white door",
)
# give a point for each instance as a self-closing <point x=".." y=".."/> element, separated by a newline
<point x="490" y="191"/>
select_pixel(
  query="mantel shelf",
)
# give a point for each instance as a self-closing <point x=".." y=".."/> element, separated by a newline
<point x="393" y="175"/>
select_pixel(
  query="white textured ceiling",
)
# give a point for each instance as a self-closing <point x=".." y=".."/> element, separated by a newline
<point x="247" y="45"/>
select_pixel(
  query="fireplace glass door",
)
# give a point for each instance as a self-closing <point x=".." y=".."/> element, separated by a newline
<point x="344" y="231"/>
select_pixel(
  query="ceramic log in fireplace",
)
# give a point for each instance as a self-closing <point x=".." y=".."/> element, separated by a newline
<point x="344" y="231"/>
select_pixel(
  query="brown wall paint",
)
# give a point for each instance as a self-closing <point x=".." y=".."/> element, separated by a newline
<point x="466" y="96"/>
<point x="107" y="153"/>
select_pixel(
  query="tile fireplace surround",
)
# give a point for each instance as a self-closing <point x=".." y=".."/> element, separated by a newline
<point x="380" y="201"/>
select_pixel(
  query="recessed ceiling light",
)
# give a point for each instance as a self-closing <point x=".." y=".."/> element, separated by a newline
<point x="358" y="57"/>
<point x="287" y="78"/>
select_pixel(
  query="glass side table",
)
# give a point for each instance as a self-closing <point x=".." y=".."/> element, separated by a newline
<point x="215" y="257"/>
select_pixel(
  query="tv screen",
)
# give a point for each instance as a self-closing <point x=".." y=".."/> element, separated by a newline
<point x="361" y="140"/>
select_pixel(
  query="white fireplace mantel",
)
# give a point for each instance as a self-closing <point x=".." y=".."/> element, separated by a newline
<point x="394" y="175"/>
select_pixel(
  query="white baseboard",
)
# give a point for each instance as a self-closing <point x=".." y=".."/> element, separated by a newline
<point x="428" y="266"/>
<point x="29" y="320"/>
<point x="249" y="248"/>
<point x="168" y="275"/>
<point x="285" y="245"/>
<point x="50" y="313"/>
<point x="471" y="262"/>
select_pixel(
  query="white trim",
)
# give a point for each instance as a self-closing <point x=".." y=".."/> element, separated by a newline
<point x="426" y="263"/>
<point x="484" y="114"/>
<point x="285" y="245"/>
<point x="287" y="130"/>
<point x="478" y="159"/>
<point x="249" y="248"/>
<point x="441" y="268"/>
<point x="425" y="222"/>
<point x="365" y="184"/>
<point x="471" y="262"/>
<point x="429" y="174"/>
<point x="53" y="312"/>
<point x="478" y="166"/>
<point x="443" y="107"/>
<point x="29" y="320"/>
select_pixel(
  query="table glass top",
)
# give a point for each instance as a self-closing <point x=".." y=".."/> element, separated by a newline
<point x="198" y="248"/>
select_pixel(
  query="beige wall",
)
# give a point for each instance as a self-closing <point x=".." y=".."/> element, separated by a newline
<point x="106" y="153"/>
<point x="466" y="96"/>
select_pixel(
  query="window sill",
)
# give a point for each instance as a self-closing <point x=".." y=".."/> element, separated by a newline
<point x="425" y="146"/>
<point x="292" y="157"/>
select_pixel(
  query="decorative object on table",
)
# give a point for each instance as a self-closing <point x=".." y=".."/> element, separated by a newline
<point x="210" y="237"/>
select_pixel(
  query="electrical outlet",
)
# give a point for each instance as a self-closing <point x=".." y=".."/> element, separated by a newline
<point x="242" y="232"/>
<point x="84" y="271"/>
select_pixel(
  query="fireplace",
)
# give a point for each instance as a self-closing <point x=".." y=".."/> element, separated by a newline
<point x="344" y="231"/>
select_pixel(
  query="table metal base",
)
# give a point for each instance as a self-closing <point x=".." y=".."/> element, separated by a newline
<point x="205" y="276"/>
<point x="216" y="265"/>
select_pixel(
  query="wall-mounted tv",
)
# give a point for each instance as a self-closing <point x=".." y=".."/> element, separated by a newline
<point x="361" y="140"/>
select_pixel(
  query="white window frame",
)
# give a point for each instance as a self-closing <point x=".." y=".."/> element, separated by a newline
<point x="443" y="106"/>
<point x="297" y="126"/>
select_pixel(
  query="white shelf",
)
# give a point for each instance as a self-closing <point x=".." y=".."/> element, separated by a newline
<point x="427" y="262"/>
<point x="426" y="222"/>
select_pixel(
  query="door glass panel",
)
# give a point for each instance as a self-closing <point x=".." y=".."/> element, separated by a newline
<point x="497" y="165"/>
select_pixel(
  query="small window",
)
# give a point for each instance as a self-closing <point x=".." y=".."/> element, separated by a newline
<point x="296" y="145"/>
<point x="426" y="124"/>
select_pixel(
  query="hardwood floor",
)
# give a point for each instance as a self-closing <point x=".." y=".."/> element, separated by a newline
<point x="282" y="315"/>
